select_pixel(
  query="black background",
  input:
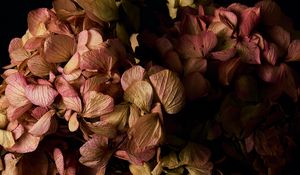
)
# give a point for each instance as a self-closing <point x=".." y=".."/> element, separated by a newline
<point x="13" y="18"/>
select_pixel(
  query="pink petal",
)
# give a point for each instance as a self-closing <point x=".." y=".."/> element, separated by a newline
<point x="15" y="43"/>
<point x="34" y="43"/>
<point x="59" y="161"/>
<point x="223" y="55"/>
<point x="190" y="24"/>
<point x="25" y="144"/>
<point x="100" y="59"/>
<point x="17" y="131"/>
<point x="13" y="113"/>
<point x="189" y="46"/>
<point x="94" y="40"/>
<point x="59" y="48"/>
<point x="209" y="41"/>
<point x="135" y="73"/>
<point x="294" y="51"/>
<point x="83" y="37"/>
<point x="19" y="55"/>
<point x="249" y="52"/>
<point x="43" y="124"/>
<point x="97" y="104"/>
<point x="37" y="19"/>
<point x="249" y="19"/>
<point x="40" y="95"/>
<point x="38" y="112"/>
<point x="38" y="66"/>
<point x="269" y="73"/>
<point x="228" y="18"/>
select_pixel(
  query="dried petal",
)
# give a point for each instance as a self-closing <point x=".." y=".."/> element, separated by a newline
<point x="25" y="144"/>
<point x="196" y="85"/>
<point x="3" y="121"/>
<point x="227" y="69"/>
<point x="163" y="45"/>
<point x="73" y="122"/>
<point x="189" y="46"/>
<point x="138" y="170"/>
<point x="15" y="90"/>
<point x="59" y="48"/>
<point x="194" y="155"/>
<point x="93" y="84"/>
<point x="135" y="73"/>
<point x="173" y="62"/>
<point x="133" y="115"/>
<point x="280" y="37"/>
<point x="228" y="18"/>
<point x="100" y="59"/>
<point x="72" y="64"/>
<point x="271" y="53"/>
<point x="169" y="89"/>
<point x="209" y="41"/>
<point x="249" y="52"/>
<point x="294" y="51"/>
<point x="70" y="96"/>
<point x="43" y="124"/>
<point x="95" y="152"/>
<point x="224" y="55"/>
<point x="145" y="135"/>
<point x="59" y="161"/>
<point x="269" y="73"/>
<point x="11" y="162"/>
<point x="40" y="95"/>
<point x="6" y="139"/>
<point x="249" y="18"/>
<point x="140" y="93"/>
<point x="270" y="12"/>
<point x="195" y="65"/>
<point x="118" y="118"/>
<point x="13" y="113"/>
<point x="97" y="104"/>
<point x="37" y="21"/>
<point x="38" y="66"/>
<point x="105" y="10"/>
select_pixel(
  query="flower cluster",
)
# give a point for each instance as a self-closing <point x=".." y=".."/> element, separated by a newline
<point x="94" y="89"/>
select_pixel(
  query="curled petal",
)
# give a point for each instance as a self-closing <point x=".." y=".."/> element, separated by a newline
<point x="140" y="93"/>
<point x="135" y="73"/>
<point x="228" y="18"/>
<point x="43" y="124"/>
<point x="249" y="19"/>
<point x="97" y="104"/>
<point x="38" y="66"/>
<point x="72" y="64"/>
<point x="271" y="53"/>
<point x="38" y="112"/>
<point x="94" y="40"/>
<point x="59" y="48"/>
<point x="25" y="144"/>
<point x="169" y="89"/>
<point x="34" y="43"/>
<point x="14" y="113"/>
<point x="40" y="95"/>
<point x="37" y="21"/>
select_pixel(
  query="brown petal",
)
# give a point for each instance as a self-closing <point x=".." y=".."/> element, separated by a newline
<point x="271" y="53"/>
<point x="95" y="152"/>
<point x="97" y="104"/>
<point x="195" y="65"/>
<point x="72" y="64"/>
<point x="73" y="122"/>
<point x="270" y="12"/>
<point x="134" y="114"/>
<point x="117" y="118"/>
<point x="189" y="46"/>
<point x="140" y="93"/>
<point x="146" y="134"/>
<point x="163" y="45"/>
<point x="194" y="155"/>
<point x="269" y="73"/>
<point x="138" y="170"/>
<point x="280" y="37"/>
<point x="38" y="66"/>
<point x="227" y="69"/>
<point x="224" y="55"/>
<point x="100" y="59"/>
<point x="173" y="62"/>
<point x="135" y="73"/>
<point x="169" y="89"/>
<point x="93" y="84"/>
<point x="59" y="48"/>
<point x="196" y="85"/>
<point x="294" y="51"/>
